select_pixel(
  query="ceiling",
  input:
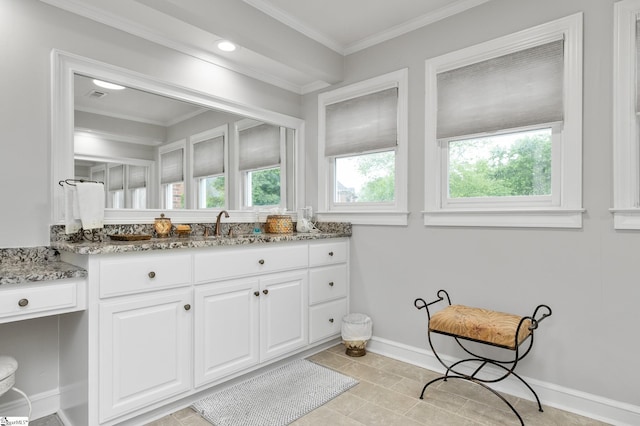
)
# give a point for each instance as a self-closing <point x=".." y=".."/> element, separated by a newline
<point x="298" y="45"/>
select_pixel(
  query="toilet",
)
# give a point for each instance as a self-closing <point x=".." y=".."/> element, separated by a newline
<point x="8" y="367"/>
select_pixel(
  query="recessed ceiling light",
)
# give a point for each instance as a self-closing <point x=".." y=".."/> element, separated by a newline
<point x="107" y="85"/>
<point x="226" y="46"/>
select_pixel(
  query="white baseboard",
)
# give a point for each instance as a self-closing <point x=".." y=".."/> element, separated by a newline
<point x="574" y="401"/>
<point x="43" y="404"/>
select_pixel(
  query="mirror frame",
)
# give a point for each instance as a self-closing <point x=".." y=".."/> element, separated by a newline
<point x="63" y="67"/>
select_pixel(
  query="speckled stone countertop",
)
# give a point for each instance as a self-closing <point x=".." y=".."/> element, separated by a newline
<point x="195" y="240"/>
<point x="110" y="246"/>
<point x="24" y="265"/>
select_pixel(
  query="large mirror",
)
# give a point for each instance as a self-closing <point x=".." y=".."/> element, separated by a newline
<point x="159" y="147"/>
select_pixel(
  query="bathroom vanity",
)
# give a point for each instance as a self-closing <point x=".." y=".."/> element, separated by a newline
<point x="167" y="320"/>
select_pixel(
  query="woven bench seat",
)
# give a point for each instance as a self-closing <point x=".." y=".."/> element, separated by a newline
<point x="481" y="325"/>
<point x="511" y="335"/>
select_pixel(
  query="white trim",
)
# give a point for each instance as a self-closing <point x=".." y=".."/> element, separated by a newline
<point x="568" y="212"/>
<point x="43" y="404"/>
<point x="626" y="140"/>
<point x="550" y="394"/>
<point x="383" y="214"/>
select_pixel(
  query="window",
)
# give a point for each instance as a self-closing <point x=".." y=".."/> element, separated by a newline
<point x="172" y="175"/>
<point x="137" y="186"/>
<point x="362" y="146"/>
<point x="261" y="152"/>
<point x="208" y="150"/>
<point x="115" y="184"/>
<point x="626" y="107"/>
<point x="503" y="127"/>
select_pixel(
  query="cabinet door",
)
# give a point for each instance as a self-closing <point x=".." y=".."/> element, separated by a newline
<point x="283" y="313"/>
<point x="226" y="328"/>
<point x="145" y="353"/>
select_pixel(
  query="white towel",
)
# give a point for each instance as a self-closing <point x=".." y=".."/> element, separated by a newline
<point x="71" y="210"/>
<point x="91" y="204"/>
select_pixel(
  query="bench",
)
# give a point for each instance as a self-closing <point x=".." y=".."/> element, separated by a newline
<point x="512" y="334"/>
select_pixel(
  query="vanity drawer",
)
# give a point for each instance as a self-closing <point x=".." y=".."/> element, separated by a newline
<point x="327" y="283"/>
<point x="131" y="273"/>
<point x="326" y="320"/>
<point x="26" y="301"/>
<point x="326" y="253"/>
<point x="242" y="261"/>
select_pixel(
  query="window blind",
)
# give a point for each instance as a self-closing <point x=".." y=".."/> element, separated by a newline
<point x="519" y="89"/>
<point x="172" y="166"/>
<point x="116" y="178"/>
<point x="365" y="123"/>
<point x="137" y="177"/>
<point x="208" y="157"/>
<point x="259" y="147"/>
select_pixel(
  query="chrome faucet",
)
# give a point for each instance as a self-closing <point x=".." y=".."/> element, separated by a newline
<point x="217" y="230"/>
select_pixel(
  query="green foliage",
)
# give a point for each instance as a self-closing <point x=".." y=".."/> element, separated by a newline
<point x="480" y="168"/>
<point x="379" y="168"/>
<point x="265" y="187"/>
<point x="215" y="192"/>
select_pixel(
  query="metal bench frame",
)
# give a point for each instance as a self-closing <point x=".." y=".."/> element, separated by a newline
<point x="540" y="313"/>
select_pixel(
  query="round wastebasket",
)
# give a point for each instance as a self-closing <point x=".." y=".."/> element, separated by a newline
<point x="356" y="331"/>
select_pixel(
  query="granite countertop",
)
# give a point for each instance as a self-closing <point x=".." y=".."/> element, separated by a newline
<point x="25" y="265"/>
<point x="112" y="246"/>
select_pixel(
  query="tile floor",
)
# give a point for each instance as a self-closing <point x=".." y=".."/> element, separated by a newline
<point x="388" y="394"/>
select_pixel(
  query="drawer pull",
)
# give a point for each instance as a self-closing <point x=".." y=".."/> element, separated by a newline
<point x="187" y="307"/>
<point x="261" y="261"/>
<point x="23" y="302"/>
<point x="265" y="291"/>
<point x="256" y="293"/>
<point x="330" y="253"/>
<point x="331" y="284"/>
<point x="331" y="320"/>
<point x="152" y="274"/>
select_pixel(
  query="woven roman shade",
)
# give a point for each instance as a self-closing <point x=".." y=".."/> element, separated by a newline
<point x="365" y="123"/>
<point x="208" y="157"/>
<point x="519" y="89"/>
<point x="259" y="147"/>
<point x="172" y="166"/>
<point x="116" y="178"/>
<point x="137" y="177"/>
<point x="98" y="175"/>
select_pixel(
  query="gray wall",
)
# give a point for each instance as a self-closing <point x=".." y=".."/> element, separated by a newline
<point x="588" y="276"/>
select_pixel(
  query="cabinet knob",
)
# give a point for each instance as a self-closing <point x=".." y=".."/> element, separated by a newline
<point x="23" y="302"/>
<point x="256" y="293"/>
<point x="152" y="274"/>
<point x="330" y="253"/>
<point x="265" y="291"/>
<point x="261" y="261"/>
<point x="331" y="320"/>
<point x="331" y="284"/>
<point x="187" y="307"/>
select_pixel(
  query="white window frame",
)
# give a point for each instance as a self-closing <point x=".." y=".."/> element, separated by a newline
<point x="223" y="131"/>
<point x="626" y="134"/>
<point x="395" y="213"/>
<point x="564" y="209"/>
<point x="173" y="146"/>
<point x="244" y="188"/>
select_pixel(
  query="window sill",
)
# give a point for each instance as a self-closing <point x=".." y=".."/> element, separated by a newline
<point x="626" y="218"/>
<point x="366" y="217"/>
<point x="514" y="218"/>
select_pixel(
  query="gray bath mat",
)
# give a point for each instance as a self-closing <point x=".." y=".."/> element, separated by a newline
<point x="275" y="398"/>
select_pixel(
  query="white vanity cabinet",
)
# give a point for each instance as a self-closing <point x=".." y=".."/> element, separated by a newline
<point x="244" y="321"/>
<point x="144" y="330"/>
<point x="328" y="288"/>
<point x="163" y="326"/>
